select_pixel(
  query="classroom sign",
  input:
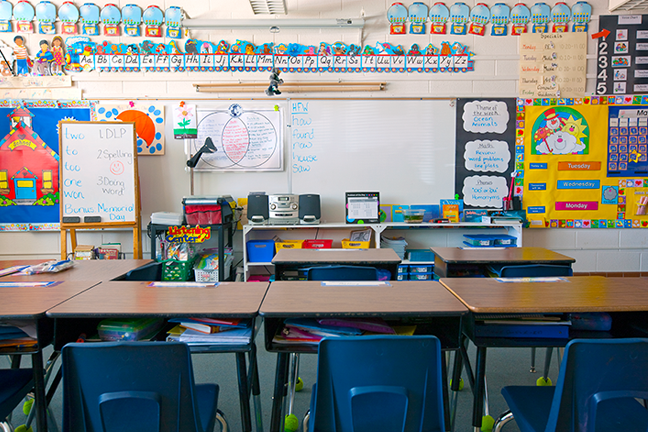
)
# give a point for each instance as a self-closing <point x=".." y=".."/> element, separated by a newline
<point x="205" y="56"/>
<point x="485" y="144"/>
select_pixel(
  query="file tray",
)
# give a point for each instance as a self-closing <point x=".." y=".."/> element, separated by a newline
<point x="530" y="270"/>
<point x="204" y="210"/>
<point x="128" y="329"/>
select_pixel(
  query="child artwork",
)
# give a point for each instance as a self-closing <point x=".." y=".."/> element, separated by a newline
<point x="132" y="18"/>
<point x="23" y="62"/>
<point x="173" y="21"/>
<point x="560" y="131"/>
<point x="560" y="15"/>
<point x="6" y="13"/>
<point x="540" y="14"/>
<point x="500" y="16"/>
<point x="520" y="16"/>
<point x="111" y="17"/>
<point x="68" y="15"/>
<point x="90" y="19"/>
<point x="396" y="15"/>
<point x="184" y="121"/>
<point x="43" y="60"/>
<point x="46" y="16"/>
<point x="153" y="19"/>
<point x="58" y="52"/>
<point x="439" y="15"/>
<point x="149" y="124"/>
<point x="24" y="14"/>
<point x="459" y="13"/>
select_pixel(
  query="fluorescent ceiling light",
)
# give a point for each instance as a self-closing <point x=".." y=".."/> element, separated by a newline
<point x="273" y="7"/>
<point x="273" y="23"/>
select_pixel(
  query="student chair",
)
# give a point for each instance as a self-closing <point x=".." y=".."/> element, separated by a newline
<point x="148" y="272"/>
<point x="342" y="273"/>
<point x="378" y="383"/>
<point x="15" y="384"/>
<point x="598" y="388"/>
<point x="135" y="386"/>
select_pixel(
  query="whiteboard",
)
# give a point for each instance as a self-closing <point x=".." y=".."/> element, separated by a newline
<point x="245" y="139"/>
<point x="404" y="149"/>
<point x="98" y="171"/>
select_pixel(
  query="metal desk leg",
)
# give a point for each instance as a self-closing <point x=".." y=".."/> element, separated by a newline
<point x="456" y="380"/>
<point x="281" y="375"/>
<point x="253" y="379"/>
<point x="446" y="399"/>
<point x="244" y="392"/>
<point x="480" y="384"/>
<point x="39" y="391"/>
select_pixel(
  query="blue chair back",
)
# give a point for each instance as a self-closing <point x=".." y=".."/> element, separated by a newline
<point x="342" y="273"/>
<point x="148" y="272"/>
<point x="130" y="386"/>
<point x="14" y="386"/>
<point x="597" y="384"/>
<point x="378" y="383"/>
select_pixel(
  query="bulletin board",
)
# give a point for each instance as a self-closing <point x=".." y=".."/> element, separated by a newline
<point x="485" y="151"/>
<point x="572" y="177"/>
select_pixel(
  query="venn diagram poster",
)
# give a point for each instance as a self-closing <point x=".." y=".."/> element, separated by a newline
<point x="246" y="139"/>
<point x="566" y="166"/>
<point x="485" y="157"/>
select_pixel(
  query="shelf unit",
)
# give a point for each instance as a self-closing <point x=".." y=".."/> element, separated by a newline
<point x="453" y="233"/>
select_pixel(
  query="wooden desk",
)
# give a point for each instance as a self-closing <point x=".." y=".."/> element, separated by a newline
<point x="137" y="299"/>
<point x="31" y="303"/>
<point x="83" y="270"/>
<point x="576" y="294"/>
<point x="451" y="261"/>
<point x="427" y="303"/>
<point x="293" y="259"/>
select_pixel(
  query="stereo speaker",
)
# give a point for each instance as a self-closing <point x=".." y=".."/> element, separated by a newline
<point x="309" y="209"/>
<point x="257" y="209"/>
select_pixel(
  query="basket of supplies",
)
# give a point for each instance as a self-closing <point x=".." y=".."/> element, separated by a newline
<point x="288" y="244"/>
<point x="177" y="270"/>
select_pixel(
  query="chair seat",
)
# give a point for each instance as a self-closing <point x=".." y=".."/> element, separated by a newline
<point x="207" y="401"/>
<point x="14" y="386"/>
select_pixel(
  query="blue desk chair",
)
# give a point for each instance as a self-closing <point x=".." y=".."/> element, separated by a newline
<point x="135" y="387"/>
<point x="597" y="390"/>
<point x="378" y="383"/>
<point x="148" y="272"/>
<point x="15" y="384"/>
<point x="342" y="273"/>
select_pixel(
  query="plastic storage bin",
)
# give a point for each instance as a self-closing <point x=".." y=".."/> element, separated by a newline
<point x="420" y="276"/>
<point x="403" y="268"/>
<point x="505" y="240"/>
<point x="402" y="276"/>
<point x="260" y="250"/>
<point x="420" y="255"/>
<point x="174" y="270"/>
<point x="128" y="329"/>
<point x="479" y="240"/>
<point x="288" y="244"/>
<point x="348" y="244"/>
<point x="317" y="244"/>
<point x="421" y="268"/>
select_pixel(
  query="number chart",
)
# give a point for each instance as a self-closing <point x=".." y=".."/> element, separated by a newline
<point x="622" y="55"/>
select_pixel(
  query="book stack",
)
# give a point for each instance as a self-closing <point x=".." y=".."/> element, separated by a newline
<point x="17" y="337"/>
<point x="210" y="331"/>
<point x="310" y="331"/>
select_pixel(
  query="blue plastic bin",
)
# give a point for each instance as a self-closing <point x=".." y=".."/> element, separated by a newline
<point x="260" y="250"/>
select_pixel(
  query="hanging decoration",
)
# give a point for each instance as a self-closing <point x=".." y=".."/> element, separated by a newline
<point x="132" y="18"/>
<point x="45" y="17"/>
<point x="24" y="14"/>
<point x="6" y="13"/>
<point x="173" y="21"/>
<point x="439" y="15"/>
<point x="149" y="123"/>
<point x="560" y="15"/>
<point x="418" y="13"/>
<point x="479" y="15"/>
<point x="205" y="56"/>
<point x="540" y="13"/>
<point x="397" y="14"/>
<point x="459" y="13"/>
<point x="520" y="16"/>
<point x="111" y="17"/>
<point x="153" y="19"/>
<point x="500" y="16"/>
<point x="69" y="15"/>
<point x="90" y="19"/>
<point x="581" y="13"/>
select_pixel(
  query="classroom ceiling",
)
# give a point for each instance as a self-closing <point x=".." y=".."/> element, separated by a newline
<point x="272" y="7"/>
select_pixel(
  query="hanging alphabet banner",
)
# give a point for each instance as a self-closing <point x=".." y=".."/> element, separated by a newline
<point x="204" y="56"/>
<point x="29" y="162"/>
<point x="149" y="124"/>
<point x="485" y="147"/>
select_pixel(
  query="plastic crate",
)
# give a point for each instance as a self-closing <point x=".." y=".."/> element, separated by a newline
<point x="260" y="250"/>
<point x="421" y="268"/>
<point x="480" y="240"/>
<point x="421" y="255"/>
<point x="348" y="244"/>
<point x="402" y="276"/>
<point x="174" y="270"/>
<point x="288" y="244"/>
<point x="403" y="268"/>
<point x="210" y="275"/>
<point x="317" y="244"/>
<point x="420" y="276"/>
<point x="505" y="240"/>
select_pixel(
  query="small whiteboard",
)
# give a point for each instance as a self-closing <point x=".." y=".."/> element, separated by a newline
<point x="98" y="172"/>
<point x="246" y="140"/>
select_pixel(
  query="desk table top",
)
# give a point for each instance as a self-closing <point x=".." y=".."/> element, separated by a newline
<point x="341" y="256"/>
<point x="83" y="270"/>
<point x="514" y="255"/>
<point x="397" y="299"/>
<point x="572" y="294"/>
<point x="33" y="302"/>
<point x="126" y="298"/>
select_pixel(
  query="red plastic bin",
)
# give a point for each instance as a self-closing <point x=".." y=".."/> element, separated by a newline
<point x="317" y="244"/>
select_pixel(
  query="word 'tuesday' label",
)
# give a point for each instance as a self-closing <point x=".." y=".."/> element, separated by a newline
<point x="579" y="166"/>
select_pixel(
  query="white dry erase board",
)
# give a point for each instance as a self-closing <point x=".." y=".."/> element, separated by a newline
<point x="246" y="139"/>
<point x="403" y="149"/>
<point x="98" y="173"/>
